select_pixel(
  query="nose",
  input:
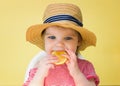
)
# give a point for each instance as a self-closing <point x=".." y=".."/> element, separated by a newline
<point x="59" y="43"/>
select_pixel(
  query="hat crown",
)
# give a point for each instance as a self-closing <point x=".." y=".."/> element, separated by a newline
<point x="62" y="9"/>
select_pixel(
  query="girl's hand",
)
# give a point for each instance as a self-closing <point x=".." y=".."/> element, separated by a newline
<point x="44" y="65"/>
<point x="72" y="62"/>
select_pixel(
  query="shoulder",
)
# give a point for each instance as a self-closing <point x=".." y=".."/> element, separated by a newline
<point x="83" y="62"/>
<point x="85" y="66"/>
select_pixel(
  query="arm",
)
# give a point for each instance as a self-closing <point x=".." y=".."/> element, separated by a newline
<point x="80" y="79"/>
<point x="36" y="77"/>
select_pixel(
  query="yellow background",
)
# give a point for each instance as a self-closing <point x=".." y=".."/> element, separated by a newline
<point x="100" y="16"/>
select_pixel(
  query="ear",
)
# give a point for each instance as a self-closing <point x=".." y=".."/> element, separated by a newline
<point x="79" y="39"/>
<point x="79" y="43"/>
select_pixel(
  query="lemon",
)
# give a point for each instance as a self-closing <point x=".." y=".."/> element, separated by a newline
<point x="61" y="59"/>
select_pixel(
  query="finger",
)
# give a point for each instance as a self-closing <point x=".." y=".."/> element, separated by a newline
<point x="46" y="61"/>
<point x="52" y="57"/>
<point x="66" y="56"/>
<point x="67" y="50"/>
<point x="52" y="61"/>
<point x="51" y="66"/>
<point x="70" y="52"/>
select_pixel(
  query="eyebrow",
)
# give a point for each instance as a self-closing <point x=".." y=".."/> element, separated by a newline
<point x="48" y="33"/>
<point x="69" y="35"/>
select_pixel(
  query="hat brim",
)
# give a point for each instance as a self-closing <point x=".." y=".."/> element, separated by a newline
<point x="33" y="34"/>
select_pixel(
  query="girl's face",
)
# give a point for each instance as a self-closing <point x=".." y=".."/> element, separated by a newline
<point x="59" y="38"/>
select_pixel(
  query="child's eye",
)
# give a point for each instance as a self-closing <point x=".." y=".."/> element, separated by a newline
<point x="52" y="37"/>
<point x="68" y="38"/>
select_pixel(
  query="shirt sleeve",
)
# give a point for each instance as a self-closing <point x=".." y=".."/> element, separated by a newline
<point x="90" y="73"/>
<point x="31" y="75"/>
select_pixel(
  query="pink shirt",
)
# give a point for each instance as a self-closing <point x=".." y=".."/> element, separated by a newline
<point x="59" y="76"/>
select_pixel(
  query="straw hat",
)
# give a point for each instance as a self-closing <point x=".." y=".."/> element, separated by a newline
<point x="63" y="15"/>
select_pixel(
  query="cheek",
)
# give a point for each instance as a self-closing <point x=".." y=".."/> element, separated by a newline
<point x="72" y="46"/>
<point x="47" y="48"/>
<point x="46" y="45"/>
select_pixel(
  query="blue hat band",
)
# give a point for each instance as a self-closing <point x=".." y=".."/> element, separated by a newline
<point x="63" y="17"/>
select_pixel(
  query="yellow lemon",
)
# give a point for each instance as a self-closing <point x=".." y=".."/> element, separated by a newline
<point x="61" y="59"/>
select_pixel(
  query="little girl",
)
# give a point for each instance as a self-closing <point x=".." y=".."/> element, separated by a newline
<point x="62" y="30"/>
